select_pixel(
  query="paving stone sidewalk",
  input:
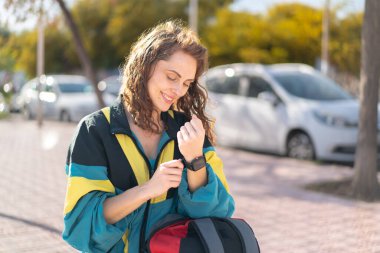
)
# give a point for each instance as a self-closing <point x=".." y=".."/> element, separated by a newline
<point x="267" y="190"/>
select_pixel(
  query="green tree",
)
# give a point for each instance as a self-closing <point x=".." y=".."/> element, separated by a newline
<point x="288" y="33"/>
<point x="345" y="44"/>
<point x="57" y="40"/>
<point x="20" y="50"/>
<point x="207" y="11"/>
<point x="35" y="7"/>
<point x="93" y="28"/>
<point x="7" y="55"/>
<point x="296" y="29"/>
<point x="25" y="46"/>
<point x="133" y="17"/>
<point x="237" y="37"/>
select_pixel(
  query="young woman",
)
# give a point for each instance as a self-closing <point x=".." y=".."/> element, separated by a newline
<point x="148" y="155"/>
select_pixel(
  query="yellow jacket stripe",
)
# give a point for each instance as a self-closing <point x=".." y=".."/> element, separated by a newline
<point x="217" y="166"/>
<point x="77" y="187"/>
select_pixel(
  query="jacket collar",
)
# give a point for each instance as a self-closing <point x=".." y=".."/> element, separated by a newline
<point x="119" y="122"/>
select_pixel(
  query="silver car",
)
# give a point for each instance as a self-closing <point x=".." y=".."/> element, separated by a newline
<point x="3" y="105"/>
<point x="111" y="85"/>
<point x="287" y="109"/>
<point x="64" y="97"/>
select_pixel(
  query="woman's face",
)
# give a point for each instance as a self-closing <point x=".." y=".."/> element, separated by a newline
<point x="171" y="79"/>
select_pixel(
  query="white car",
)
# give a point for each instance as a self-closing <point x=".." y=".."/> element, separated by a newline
<point x="111" y="85"/>
<point x="64" y="97"/>
<point x="3" y="105"/>
<point x="287" y="109"/>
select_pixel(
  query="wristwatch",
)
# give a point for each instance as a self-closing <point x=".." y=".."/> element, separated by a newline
<point x="196" y="164"/>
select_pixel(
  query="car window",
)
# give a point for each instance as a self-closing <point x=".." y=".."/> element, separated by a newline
<point x="74" y="87"/>
<point x="224" y="85"/>
<point x="310" y="85"/>
<point x="257" y="85"/>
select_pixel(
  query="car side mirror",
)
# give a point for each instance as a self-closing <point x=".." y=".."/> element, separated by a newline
<point x="269" y="97"/>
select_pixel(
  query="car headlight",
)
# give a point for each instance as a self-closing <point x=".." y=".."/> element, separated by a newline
<point x="334" y="120"/>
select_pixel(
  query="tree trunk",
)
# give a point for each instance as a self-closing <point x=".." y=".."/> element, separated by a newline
<point x="83" y="57"/>
<point x="365" y="183"/>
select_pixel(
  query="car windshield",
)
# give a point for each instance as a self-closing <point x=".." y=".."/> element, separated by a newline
<point x="74" y="87"/>
<point x="310" y="85"/>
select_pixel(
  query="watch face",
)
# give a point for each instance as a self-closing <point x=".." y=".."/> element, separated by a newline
<point x="198" y="163"/>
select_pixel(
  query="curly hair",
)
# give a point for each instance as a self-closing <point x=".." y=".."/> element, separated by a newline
<point x="160" y="43"/>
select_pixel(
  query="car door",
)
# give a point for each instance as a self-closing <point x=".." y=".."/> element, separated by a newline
<point x="30" y="97"/>
<point x="225" y="106"/>
<point x="263" y="119"/>
<point x="49" y="98"/>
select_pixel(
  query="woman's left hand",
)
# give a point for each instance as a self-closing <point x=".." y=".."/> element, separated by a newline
<point x="190" y="139"/>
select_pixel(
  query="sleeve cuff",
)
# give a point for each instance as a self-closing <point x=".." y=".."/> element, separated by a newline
<point x="204" y="194"/>
<point x="106" y="233"/>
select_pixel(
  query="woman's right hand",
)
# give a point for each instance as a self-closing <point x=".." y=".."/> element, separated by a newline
<point x="168" y="175"/>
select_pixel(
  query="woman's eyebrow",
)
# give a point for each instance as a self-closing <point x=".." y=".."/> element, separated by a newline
<point x="171" y="70"/>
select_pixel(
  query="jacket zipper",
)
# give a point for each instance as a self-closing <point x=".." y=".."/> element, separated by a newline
<point x="146" y="211"/>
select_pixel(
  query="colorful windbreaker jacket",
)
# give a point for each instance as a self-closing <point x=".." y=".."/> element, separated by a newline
<point x="105" y="159"/>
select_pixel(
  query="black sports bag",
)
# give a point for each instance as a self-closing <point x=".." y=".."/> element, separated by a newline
<point x="179" y="234"/>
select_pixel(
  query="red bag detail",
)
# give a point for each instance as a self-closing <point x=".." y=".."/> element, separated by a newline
<point x="168" y="239"/>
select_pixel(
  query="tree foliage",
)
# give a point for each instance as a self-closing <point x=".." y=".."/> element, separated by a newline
<point x="132" y="17"/>
<point x="288" y="32"/>
<point x="7" y="55"/>
<point x="345" y="43"/>
<point x="93" y="19"/>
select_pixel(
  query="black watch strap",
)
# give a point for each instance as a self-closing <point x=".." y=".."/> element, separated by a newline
<point x="196" y="164"/>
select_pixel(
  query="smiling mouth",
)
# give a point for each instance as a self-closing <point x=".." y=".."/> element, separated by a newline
<point x="167" y="98"/>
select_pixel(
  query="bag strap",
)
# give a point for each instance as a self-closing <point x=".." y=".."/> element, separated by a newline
<point x="209" y="236"/>
<point x="245" y="233"/>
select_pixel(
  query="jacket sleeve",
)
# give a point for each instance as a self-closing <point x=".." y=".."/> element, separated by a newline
<point x="88" y="186"/>
<point x="211" y="200"/>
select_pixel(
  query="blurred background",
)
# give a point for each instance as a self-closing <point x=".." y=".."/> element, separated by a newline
<point x="234" y="31"/>
<point x="284" y="90"/>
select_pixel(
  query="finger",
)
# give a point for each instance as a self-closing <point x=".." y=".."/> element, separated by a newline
<point x="190" y="129"/>
<point x="172" y="171"/>
<point x="185" y="134"/>
<point x="174" y="179"/>
<point x="174" y="184"/>
<point x="196" y="122"/>
<point x="180" y="137"/>
<point x="173" y="164"/>
<point x="196" y="127"/>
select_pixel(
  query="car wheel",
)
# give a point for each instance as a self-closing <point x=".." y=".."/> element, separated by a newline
<point x="300" y="146"/>
<point x="65" y="116"/>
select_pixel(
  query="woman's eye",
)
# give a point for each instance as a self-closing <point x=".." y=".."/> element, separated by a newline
<point x="171" y="78"/>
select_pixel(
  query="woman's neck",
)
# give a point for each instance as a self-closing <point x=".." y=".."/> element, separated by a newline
<point x="156" y="116"/>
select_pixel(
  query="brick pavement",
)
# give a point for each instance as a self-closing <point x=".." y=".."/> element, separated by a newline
<point x="267" y="191"/>
<point x="32" y="185"/>
<point x="286" y="218"/>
